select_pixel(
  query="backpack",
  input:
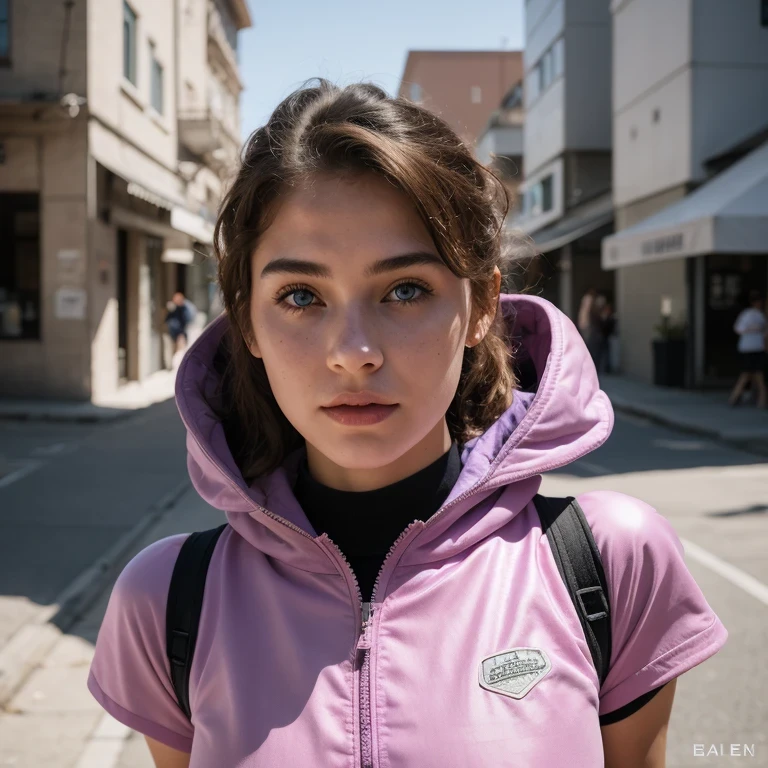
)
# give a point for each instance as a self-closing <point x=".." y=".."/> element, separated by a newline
<point x="573" y="546"/>
<point x="191" y="310"/>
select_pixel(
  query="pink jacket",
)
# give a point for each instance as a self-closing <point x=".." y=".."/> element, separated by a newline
<point x="284" y="675"/>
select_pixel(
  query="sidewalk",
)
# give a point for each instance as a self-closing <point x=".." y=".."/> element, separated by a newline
<point x="703" y="413"/>
<point x="52" y="720"/>
<point x="155" y="388"/>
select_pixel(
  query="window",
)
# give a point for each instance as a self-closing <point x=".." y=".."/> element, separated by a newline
<point x="229" y="26"/>
<point x="540" y="197"/>
<point x="129" y="43"/>
<point x="513" y="98"/>
<point x="476" y="94"/>
<point x="764" y="13"/>
<point x="415" y="92"/>
<point x="20" y="266"/>
<point x="156" y="80"/>
<point x="546" y="193"/>
<point x="558" y="58"/>
<point x="550" y="66"/>
<point x="545" y="71"/>
<point x="532" y="86"/>
<point x="5" y="31"/>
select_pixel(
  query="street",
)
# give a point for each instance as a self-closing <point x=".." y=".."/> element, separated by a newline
<point x="86" y="486"/>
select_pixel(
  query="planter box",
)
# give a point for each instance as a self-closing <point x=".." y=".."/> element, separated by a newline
<point x="669" y="357"/>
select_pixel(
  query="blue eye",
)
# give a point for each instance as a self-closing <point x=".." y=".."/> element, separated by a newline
<point x="293" y="290"/>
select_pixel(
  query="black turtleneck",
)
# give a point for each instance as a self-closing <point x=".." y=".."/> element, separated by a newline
<point x="365" y="524"/>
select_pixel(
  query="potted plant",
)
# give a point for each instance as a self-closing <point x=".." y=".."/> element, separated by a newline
<point x="669" y="353"/>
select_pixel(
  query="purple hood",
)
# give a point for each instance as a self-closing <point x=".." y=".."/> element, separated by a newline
<point x="566" y="418"/>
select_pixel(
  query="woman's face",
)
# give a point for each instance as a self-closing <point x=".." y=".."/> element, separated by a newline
<point x="397" y="332"/>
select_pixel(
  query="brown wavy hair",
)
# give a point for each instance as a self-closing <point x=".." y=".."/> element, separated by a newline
<point x="342" y="131"/>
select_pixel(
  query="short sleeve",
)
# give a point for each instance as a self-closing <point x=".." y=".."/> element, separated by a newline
<point x="130" y="672"/>
<point x="661" y="624"/>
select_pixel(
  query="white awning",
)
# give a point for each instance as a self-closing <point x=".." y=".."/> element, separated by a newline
<point x="178" y="255"/>
<point x="191" y="224"/>
<point x="728" y="214"/>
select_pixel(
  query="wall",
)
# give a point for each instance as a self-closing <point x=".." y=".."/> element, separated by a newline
<point x="447" y="79"/>
<point x="120" y="106"/>
<point x="652" y="141"/>
<point x="651" y="43"/>
<point x="544" y="23"/>
<point x="193" y="54"/>
<point x="57" y="365"/>
<point x="588" y="83"/>
<point x="103" y="309"/>
<point x="639" y="290"/>
<point x="652" y="104"/>
<point x="730" y="77"/>
<point x="544" y="133"/>
<point x="37" y="28"/>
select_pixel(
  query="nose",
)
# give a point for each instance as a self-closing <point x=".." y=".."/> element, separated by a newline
<point x="355" y="344"/>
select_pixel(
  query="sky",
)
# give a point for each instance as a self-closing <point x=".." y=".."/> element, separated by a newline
<point x="345" y="41"/>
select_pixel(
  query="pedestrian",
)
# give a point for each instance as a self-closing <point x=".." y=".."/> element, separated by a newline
<point x="589" y="322"/>
<point x="585" y="319"/>
<point x="382" y="591"/>
<point x="752" y="328"/>
<point x="606" y="326"/>
<point x="180" y="314"/>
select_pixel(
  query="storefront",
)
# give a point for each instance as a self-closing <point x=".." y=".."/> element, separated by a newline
<point x="718" y="235"/>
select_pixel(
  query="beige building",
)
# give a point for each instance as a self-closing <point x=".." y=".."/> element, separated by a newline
<point x="119" y="127"/>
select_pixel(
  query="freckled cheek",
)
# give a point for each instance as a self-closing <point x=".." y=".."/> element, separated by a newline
<point x="280" y="339"/>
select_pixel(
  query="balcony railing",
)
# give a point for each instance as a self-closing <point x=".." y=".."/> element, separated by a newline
<point x="202" y="132"/>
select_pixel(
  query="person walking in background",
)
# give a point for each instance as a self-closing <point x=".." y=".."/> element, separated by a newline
<point x="589" y="322"/>
<point x="752" y="327"/>
<point x="606" y="323"/>
<point x="586" y="307"/>
<point x="181" y="312"/>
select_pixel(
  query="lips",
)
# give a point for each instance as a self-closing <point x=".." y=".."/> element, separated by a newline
<point x="360" y="415"/>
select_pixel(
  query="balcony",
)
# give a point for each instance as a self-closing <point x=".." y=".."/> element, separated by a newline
<point x="202" y="132"/>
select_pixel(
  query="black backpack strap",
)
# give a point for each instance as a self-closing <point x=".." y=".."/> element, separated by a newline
<point x="185" y="603"/>
<point x="579" y="563"/>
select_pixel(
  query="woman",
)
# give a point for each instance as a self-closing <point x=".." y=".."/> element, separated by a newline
<point x="360" y="262"/>
<point x="752" y="327"/>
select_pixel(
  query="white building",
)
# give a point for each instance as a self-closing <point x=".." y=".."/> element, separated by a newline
<point x="567" y="205"/>
<point x="690" y="178"/>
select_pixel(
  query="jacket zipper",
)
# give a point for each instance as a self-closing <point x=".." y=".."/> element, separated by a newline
<point x="363" y="649"/>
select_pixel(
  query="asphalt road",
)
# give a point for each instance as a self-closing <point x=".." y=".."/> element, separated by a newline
<point x="84" y="494"/>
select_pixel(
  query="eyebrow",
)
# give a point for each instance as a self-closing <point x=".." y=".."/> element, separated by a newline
<point x="313" y="269"/>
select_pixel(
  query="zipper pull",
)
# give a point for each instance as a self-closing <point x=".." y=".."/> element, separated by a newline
<point x="364" y="641"/>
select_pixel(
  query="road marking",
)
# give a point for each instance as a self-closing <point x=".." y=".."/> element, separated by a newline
<point x="28" y="466"/>
<point x="638" y="421"/>
<point x="684" y="445"/>
<point x="55" y="449"/>
<point x="730" y="572"/>
<point x="594" y="467"/>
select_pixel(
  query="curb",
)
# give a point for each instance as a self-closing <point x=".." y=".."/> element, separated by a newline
<point x="756" y="445"/>
<point x="79" y="418"/>
<point x="34" y="640"/>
